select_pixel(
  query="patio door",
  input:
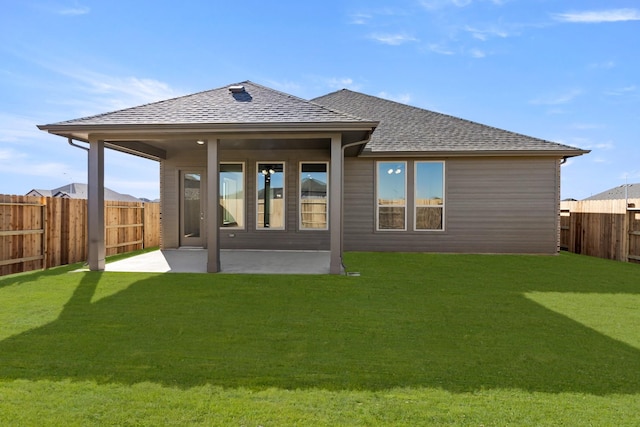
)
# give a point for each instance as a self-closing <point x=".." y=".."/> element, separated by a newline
<point x="192" y="205"/>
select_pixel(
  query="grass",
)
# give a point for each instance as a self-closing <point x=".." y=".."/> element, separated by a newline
<point x="416" y="339"/>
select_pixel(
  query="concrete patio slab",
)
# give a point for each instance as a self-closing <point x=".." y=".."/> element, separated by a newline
<point x="231" y="261"/>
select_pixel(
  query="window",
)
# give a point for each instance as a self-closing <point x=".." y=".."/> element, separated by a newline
<point x="270" y="196"/>
<point x="429" y="195"/>
<point x="232" y="195"/>
<point x="391" y="195"/>
<point x="313" y="196"/>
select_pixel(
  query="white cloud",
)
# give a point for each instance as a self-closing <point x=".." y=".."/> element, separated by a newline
<point x="284" y="86"/>
<point x="588" y="144"/>
<point x="599" y="16"/>
<point x="438" y="48"/>
<point x="486" y="33"/>
<point x="439" y="4"/>
<point x="17" y="128"/>
<point x="629" y="175"/>
<point x="585" y="126"/>
<point x="19" y="163"/>
<point x="403" y="98"/>
<point x="127" y="91"/>
<point x="607" y="145"/>
<point x="340" y="82"/>
<point x="74" y="11"/>
<point x="606" y="65"/>
<point x="477" y="53"/>
<point x="562" y="98"/>
<point x="622" y="91"/>
<point x="360" y="18"/>
<point x="107" y="93"/>
<point x="393" y="39"/>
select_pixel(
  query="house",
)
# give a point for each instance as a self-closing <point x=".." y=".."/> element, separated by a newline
<point x="80" y="191"/>
<point x="621" y="192"/>
<point x="395" y="177"/>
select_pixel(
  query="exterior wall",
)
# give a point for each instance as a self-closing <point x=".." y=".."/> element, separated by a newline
<point x="170" y="191"/>
<point x="492" y="205"/>
<point x="248" y="238"/>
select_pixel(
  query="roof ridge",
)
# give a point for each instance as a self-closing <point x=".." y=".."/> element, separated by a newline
<point x="307" y="101"/>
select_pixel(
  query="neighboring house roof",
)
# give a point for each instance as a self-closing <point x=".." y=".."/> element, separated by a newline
<point x="80" y="191"/>
<point x="630" y="191"/>
<point x="40" y="193"/>
<point x="407" y="129"/>
<point x="253" y="104"/>
<point x="311" y="187"/>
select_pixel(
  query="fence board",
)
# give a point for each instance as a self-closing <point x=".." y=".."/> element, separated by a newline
<point x="43" y="232"/>
<point x="601" y="228"/>
<point x="634" y="236"/>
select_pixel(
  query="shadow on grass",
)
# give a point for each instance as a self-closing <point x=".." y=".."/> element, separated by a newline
<point x="324" y="332"/>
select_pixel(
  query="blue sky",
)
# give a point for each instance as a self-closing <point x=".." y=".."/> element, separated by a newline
<point x="567" y="71"/>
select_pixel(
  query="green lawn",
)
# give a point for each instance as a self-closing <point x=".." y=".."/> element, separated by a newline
<point x="416" y="339"/>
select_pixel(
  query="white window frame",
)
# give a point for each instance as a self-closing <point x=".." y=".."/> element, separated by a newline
<point x="415" y="197"/>
<point x="284" y="193"/>
<point x="300" y="226"/>
<point x="244" y="194"/>
<point x="378" y="205"/>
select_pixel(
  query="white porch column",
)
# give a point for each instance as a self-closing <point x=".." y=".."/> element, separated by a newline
<point x="335" y="205"/>
<point x="213" y="211"/>
<point x="95" y="206"/>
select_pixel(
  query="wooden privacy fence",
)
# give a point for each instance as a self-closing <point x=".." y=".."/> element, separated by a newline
<point x="44" y="232"/>
<point x="602" y="228"/>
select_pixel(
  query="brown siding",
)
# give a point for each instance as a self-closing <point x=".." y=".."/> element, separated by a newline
<point x="492" y="205"/>
<point x="249" y="237"/>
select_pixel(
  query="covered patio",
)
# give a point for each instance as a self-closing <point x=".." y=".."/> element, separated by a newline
<point x="193" y="260"/>
<point x="259" y="132"/>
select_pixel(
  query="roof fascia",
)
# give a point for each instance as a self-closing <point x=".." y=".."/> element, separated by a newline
<point x="209" y="127"/>
<point x="506" y="153"/>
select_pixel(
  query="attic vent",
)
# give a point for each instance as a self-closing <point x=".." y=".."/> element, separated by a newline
<point x="236" y="89"/>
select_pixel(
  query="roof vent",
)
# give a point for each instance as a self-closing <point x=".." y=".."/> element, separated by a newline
<point x="236" y="89"/>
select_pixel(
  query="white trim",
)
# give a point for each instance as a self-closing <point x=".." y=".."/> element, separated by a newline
<point x="182" y="239"/>
<point x="300" y="227"/>
<point x="244" y="195"/>
<point x="377" y="201"/>
<point x="284" y="194"/>
<point x="415" y="197"/>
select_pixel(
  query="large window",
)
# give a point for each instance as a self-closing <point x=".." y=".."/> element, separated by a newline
<point x="270" y="196"/>
<point x="391" y="197"/>
<point x="429" y="195"/>
<point x="232" y="195"/>
<point x="313" y="196"/>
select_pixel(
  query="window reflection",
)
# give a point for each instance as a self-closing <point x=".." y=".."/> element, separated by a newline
<point x="429" y="193"/>
<point x="313" y="196"/>
<point x="270" y="189"/>
<point x="232" y="195"/>
<point x="391" y="197"/>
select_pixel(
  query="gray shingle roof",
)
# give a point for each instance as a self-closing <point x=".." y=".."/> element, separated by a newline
<point x="404" y="128"/>
<point x="257" y="104"/>
<point x="81" y="191"/>
<point x="618" y="193"/>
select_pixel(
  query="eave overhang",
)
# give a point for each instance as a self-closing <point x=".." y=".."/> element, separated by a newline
<point x="141" y="139"/>
<point x="478" y="153"/>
